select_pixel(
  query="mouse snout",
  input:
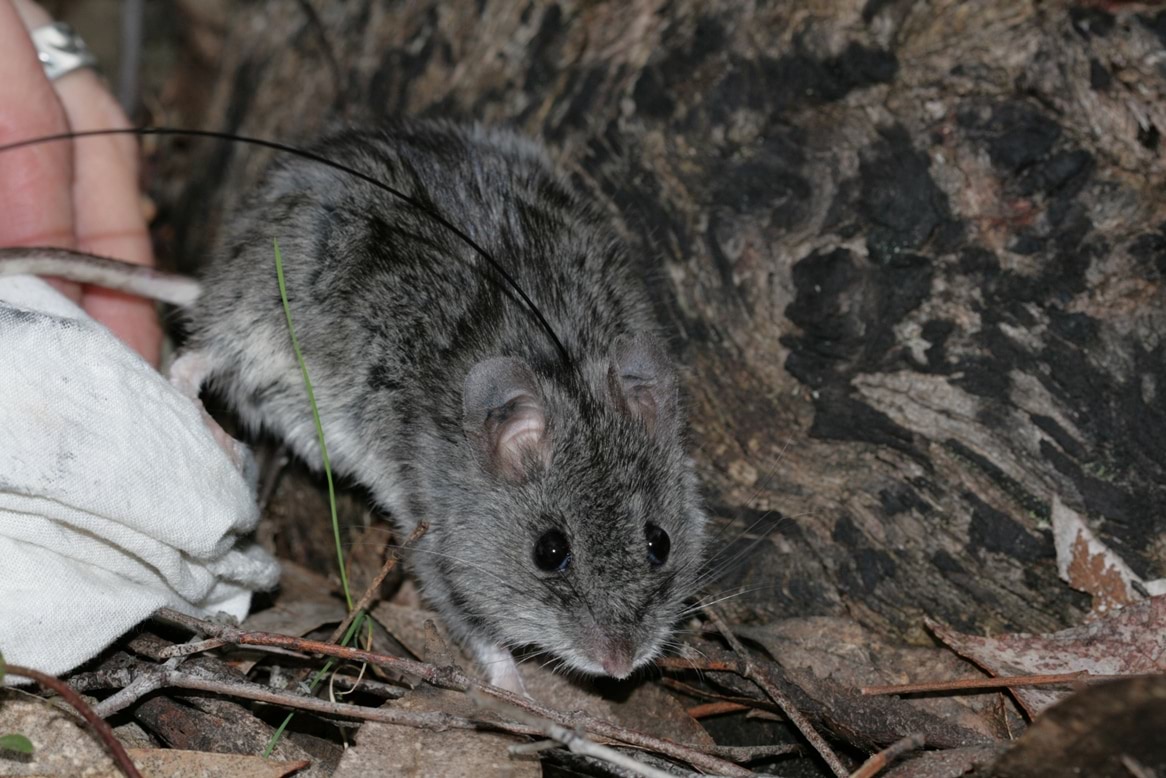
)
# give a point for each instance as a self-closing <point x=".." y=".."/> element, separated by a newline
<point x="616" y="654"/>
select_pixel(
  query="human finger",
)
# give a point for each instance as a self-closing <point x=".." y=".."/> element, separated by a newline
<point x="106" y="201"/>
<point x="36" y="203"/>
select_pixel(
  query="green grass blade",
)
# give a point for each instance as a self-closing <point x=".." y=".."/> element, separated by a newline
<point x="18" y="743"/>
<point x="291" y="331"/>
<point x="359" y="620"/>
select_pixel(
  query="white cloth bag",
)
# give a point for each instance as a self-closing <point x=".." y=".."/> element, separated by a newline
<point x="115" y="499"/>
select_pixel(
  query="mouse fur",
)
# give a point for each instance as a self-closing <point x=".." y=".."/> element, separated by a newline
<point x="439" y="391"/>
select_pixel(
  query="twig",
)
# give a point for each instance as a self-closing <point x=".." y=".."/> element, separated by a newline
<point x="575" y="741"/>
<point x="748" y="753"/>
<point x="873" y="766"/>
<point x="435" y="721"/>
<point x="1000" y="682"/>
<point x="144" y="679"/>
<point x="762" y="679"/>
<point x="374" y="588"/>
<point x="719" y="708"/>
<point x="754" y="706"/>
<point x="710" y="665"/>
<point x="535" y="747"/>
<point x="447" y="678"/>
<point x="120" y="757"/>
<point x="1136" y="769"/>
<point x="113" y="678"/>
<point x="696" y="691"/>
<point x="142" y="684"/>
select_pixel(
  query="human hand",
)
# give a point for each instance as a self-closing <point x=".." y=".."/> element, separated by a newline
<point x="79" y="194"/>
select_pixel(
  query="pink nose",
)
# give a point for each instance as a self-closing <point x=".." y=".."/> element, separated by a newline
<point x="616" y="658"/>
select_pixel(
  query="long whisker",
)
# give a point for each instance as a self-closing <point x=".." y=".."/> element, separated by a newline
<point x="722" y="598"/>
<point x="762" y="485"/>
<point x="715" y="570"/>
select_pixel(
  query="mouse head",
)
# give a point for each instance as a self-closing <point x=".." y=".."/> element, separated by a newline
<point x="595" y="530"/>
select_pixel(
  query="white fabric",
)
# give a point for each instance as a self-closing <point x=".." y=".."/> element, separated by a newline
<point x="114" y="498"/>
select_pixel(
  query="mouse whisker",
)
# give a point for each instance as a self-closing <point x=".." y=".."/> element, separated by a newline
<point x="747" y="531"/>
<point x="715" y="568"/>
<point x="414" y="550"/>
<point x="721" y="598"/>
<point x="762" y="485"/>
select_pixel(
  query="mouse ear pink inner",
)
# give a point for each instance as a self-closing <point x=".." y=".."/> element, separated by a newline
<point x="505" y="418"/>
<point x="642" y="381"/>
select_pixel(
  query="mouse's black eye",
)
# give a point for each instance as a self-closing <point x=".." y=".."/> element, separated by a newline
<point x="659" y="544"/>
<point x="552" y="552"/>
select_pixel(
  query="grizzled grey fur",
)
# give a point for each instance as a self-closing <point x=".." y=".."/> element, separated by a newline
<point x="440" y="392"/>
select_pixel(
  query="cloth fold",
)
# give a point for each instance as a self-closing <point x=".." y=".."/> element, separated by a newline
<point x="115" y="499"/>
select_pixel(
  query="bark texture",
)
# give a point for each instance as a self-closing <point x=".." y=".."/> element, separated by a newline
<point x="913" y="253"/>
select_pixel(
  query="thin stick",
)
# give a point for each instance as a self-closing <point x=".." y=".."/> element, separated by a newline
<point x="374" y="588"/>
<point x="748" y="703"/>
<point x="747" y="753"/>
<point x="1135" y="768"/>
<point x="436" y="721"/>
<point x="719" y="708"/>
<point x="873" y="766"/>
<point x="1000" y="682"/>
<point x="120" y="757"/>
<point x="708" y="665"/>
<point x="762" y="679"/>
<point x="446" y="678"/>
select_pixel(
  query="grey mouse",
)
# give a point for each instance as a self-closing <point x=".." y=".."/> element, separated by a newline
<point x="563" y="510"/>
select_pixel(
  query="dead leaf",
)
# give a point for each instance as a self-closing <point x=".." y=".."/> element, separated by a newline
<point x="651" y="709"/>
<point x="303" y="604"/>
<point x="1090" y="733"/>
<point x="1088" y="565"/>
<point x="418" y="632"/>
<point x="1128" y="641"/>
<point x="160" y="762"/>
<point x="952" y="763"/>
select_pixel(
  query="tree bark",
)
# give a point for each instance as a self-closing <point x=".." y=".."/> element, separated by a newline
<point x="913" y="254"/>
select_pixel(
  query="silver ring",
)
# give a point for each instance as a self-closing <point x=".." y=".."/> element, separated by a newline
<point x="61" y="50"/>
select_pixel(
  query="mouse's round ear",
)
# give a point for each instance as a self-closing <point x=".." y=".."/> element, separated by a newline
<point x="642" y="382"/>
<point x="505" y="418"/>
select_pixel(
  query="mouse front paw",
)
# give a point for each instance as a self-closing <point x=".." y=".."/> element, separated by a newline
<point x="188" y="373"/>
<point x="500" y="667"/>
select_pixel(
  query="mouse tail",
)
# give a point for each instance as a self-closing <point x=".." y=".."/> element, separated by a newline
<point x="100" y="271"/>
